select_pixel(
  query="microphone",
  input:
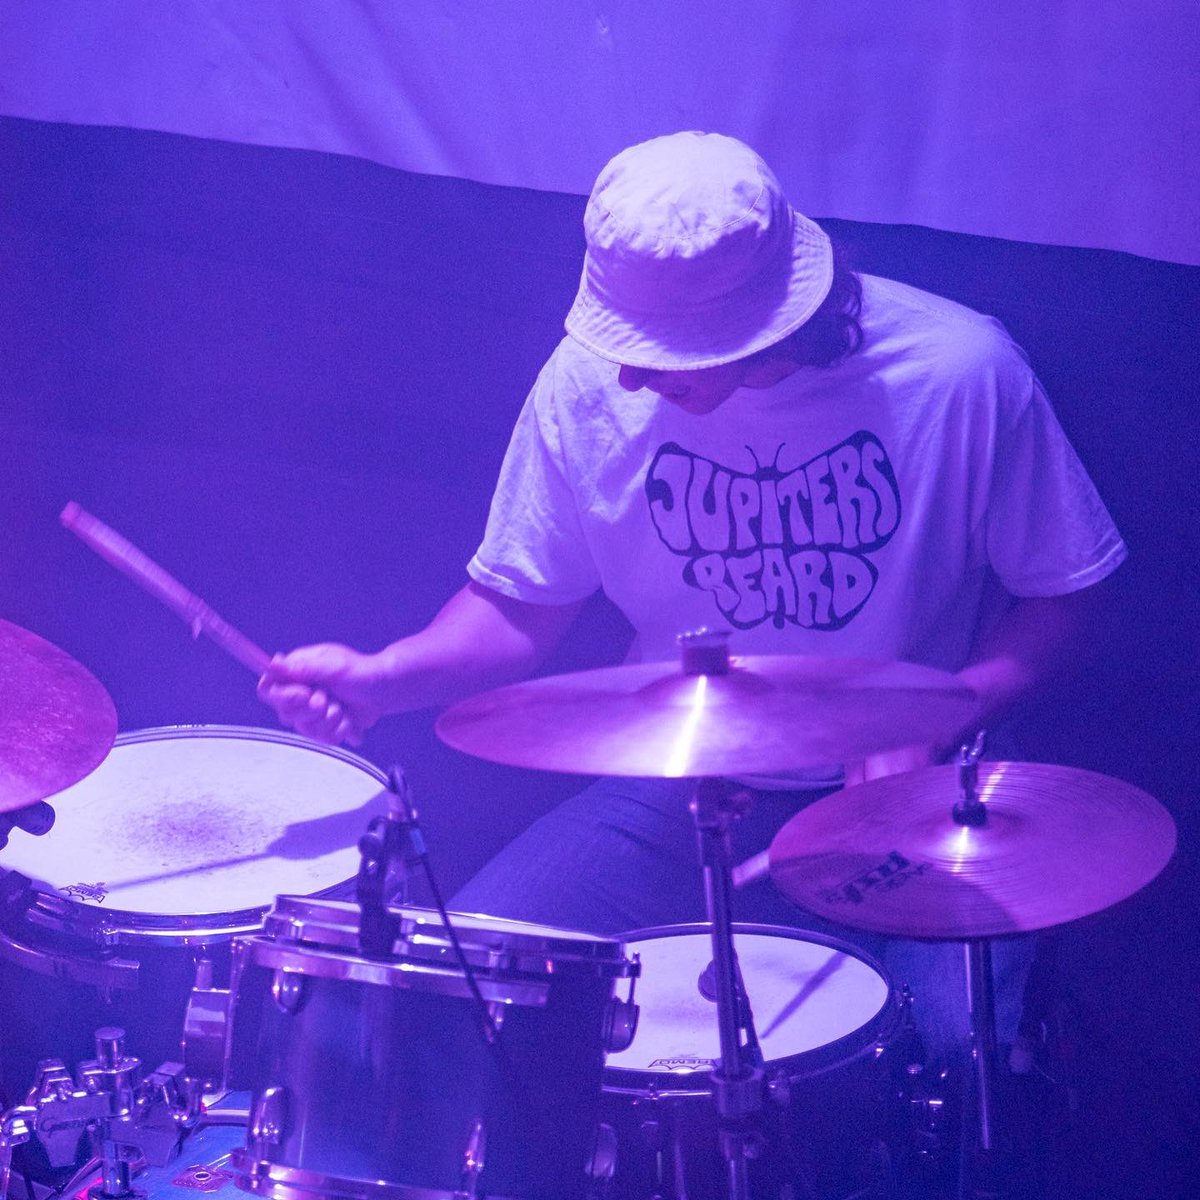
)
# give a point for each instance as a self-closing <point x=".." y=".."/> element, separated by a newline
<point x="403" y="814"/>
<point x="706" y="985"/>
<point x="390" y="844"/>
<point x="35" y="819"/>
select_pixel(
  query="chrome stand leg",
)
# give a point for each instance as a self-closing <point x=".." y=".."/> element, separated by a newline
<point x="737" y="1083"/>
<point x="983" y="1034"/>
<point x="985" y="1166"/>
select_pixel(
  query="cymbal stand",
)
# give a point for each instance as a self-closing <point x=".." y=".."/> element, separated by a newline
<point x="983" y="1037"/>
<point x="737" y="1083"/>
<point x="971" y="811"/>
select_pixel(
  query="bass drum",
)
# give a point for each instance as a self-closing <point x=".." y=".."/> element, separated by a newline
<point x="174" y="845"/>
<point x="834" y="1036"/>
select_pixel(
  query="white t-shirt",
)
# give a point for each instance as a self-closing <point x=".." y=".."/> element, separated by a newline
<point x="879" y="508"/>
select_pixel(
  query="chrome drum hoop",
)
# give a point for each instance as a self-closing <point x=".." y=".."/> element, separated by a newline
<point x="107" y="927"/>
<point x="112" y="928"/>
<point x="278" y="1182"/>
<point x="863" y="1041"/>
<point x="303" y="962"/>
<point x="490" y="945"/>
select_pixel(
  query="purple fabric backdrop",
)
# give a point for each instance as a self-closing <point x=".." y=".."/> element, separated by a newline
<point x="1072" y="123"/>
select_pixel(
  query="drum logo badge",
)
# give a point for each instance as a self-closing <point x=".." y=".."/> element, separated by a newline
<point x="893" y="872"/>
<point x="95" y="892"/>
<point x="683" y="1063"/>
<point x="204" y="1178"/>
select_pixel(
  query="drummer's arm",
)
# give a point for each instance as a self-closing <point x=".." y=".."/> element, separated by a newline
<point x="479" y="640"/>
<point x="1035" y="640"/>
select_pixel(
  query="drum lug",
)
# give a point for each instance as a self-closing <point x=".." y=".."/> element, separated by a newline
<point x="205" y="1029"/>
<point x="650" y="1131"/>
<point x="106" y="937"/>
<point x="288" y="989"/>
<point x="268" y="1120"/>
<point x="473" y="1160"/>
<point x="779" y="1089"/>
<point x="497" y="1010"/>
<point x="650" y="1110"/>
<point x="603" y="1163"/>
<point x="927" y="1108"/>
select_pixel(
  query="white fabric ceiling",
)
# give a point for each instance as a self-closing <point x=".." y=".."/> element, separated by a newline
<point x="1072" y="122"/>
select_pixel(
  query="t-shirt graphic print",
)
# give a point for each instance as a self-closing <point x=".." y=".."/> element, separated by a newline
<point x="784" y="546"/>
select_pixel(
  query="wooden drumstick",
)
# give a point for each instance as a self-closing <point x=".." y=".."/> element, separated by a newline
<point x="145" y="572"/>
<point x="756" y="867"/>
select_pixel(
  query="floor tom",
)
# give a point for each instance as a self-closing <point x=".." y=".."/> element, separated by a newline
<point x="831" y="1030"/>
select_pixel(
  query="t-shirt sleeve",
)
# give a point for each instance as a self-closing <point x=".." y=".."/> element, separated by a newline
<point x="1049" y="532"/>
<point x="534" y="548"/>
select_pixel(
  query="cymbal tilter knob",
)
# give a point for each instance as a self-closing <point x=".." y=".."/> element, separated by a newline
<point x="970" y="809"/>
<point x="704" y="651"/>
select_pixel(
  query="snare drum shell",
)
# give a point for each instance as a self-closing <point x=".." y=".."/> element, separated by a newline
<point x="392" y="1080"/>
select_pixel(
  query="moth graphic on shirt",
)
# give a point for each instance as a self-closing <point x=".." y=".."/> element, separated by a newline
<point x="779" y="545"/>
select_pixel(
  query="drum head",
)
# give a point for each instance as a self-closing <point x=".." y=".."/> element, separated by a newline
<point x="204" y="819"/>
<point x="804" y="995"/>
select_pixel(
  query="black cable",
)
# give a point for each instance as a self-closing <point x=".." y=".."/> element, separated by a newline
<point x="419" y="855"/>
<point x="487" y="1024"/>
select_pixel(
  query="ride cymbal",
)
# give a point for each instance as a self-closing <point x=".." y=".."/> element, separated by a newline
<point x="1058" y="843"/>
<point x="57" y="722"/>
<point x="762" y="715"/>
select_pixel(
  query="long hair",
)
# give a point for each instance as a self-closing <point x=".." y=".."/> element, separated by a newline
<point x="833" y="332"/>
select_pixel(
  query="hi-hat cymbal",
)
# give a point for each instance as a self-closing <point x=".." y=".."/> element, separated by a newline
<point x="1058" y="843"/>
<point x="57" y="722"/>
<point x="768" y="714"/>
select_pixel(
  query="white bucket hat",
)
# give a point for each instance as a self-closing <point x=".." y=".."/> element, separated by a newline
<point x="694" y="257"/>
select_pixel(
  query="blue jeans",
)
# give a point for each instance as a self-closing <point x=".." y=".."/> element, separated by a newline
<point x="621" y="855"/>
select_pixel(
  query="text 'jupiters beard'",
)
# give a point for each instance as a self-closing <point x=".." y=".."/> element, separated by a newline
<point x="784" y="545"/>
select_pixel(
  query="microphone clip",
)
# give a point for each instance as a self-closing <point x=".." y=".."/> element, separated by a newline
<point x="390" y="844"/>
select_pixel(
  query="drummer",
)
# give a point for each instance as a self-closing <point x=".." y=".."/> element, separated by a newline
<point x="739" y="431"/>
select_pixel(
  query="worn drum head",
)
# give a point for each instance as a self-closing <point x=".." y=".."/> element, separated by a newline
<point x="805" y="995"/>
<point x="204" y="819"/>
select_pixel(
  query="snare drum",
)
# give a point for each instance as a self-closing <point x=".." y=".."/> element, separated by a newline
<point x="176" y="843"/>
<point x="830" y="1028"/>
<point x="372" y="1077"/>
